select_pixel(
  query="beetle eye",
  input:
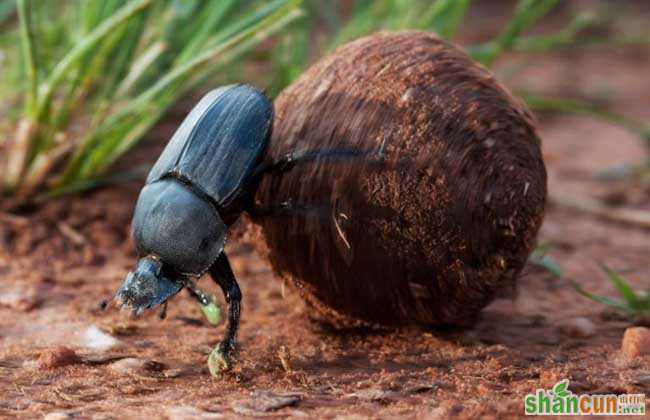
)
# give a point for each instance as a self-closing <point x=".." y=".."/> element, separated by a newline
<point x="150" y="265"/>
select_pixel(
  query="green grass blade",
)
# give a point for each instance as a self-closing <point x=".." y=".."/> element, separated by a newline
<point x="139" y="67"/>
<point x="29" y="57"/>
<point x="445" y="17"/>
<point x="105" y="29"/>
<point x="644" y="302"/>
<point x="291" y="55"/>
<point x="113" y="152"/>
<point x="7" y="9"/>
<point x="567" y="36"/>
<point x="547" y="263"/>
<point x="564" y="37"/>
<point x="602" y="299"/>
<point x="257" y="32"/>
<point x="621" y="286"/>
<point x="573" y="106"/>
<point x="138" y="173"/>
<point x="366" y="16"/>
<point x="527" y="13"/>
<point x="97" y="148"/>
<point x="216" y="15"/>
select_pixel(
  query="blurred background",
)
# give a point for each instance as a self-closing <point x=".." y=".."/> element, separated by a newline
<point x="90" y="91"/>
<point x="83" y="82"/>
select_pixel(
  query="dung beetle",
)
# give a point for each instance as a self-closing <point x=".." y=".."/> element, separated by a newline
<point x="204" y="179"/>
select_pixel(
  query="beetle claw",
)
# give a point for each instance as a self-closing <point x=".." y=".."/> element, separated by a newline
<point x="218" y="361"/>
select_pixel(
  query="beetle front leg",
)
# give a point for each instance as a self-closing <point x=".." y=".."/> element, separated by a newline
<point x="220" y="358"/>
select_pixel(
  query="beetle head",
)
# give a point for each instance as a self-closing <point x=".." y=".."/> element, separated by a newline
<point x="147" y="286"/>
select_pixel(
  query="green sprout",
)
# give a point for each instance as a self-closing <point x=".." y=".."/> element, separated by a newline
<point x="632" y="303"/>
<point x="635" y="305"/>
<point x="540" y="258"/>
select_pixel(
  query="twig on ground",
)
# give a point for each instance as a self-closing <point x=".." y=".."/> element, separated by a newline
<point x="13" y="219"/>
<point x="71" y="233"/>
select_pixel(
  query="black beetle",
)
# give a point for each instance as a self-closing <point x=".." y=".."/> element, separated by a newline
<point x="204" y="179"/>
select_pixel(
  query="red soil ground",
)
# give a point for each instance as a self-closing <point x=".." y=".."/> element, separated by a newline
<point x="58" y="262"/>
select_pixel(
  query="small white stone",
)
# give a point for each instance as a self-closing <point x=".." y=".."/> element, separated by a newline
<point x="97" y="339"/>
<point x="57" y="415"/>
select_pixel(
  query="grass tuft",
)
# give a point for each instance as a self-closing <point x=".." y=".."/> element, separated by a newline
<point x="83" y="81"/>
<point x="99" y="75"/>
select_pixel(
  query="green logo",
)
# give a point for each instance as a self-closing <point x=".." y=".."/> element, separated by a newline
<point x="559" y="400"/>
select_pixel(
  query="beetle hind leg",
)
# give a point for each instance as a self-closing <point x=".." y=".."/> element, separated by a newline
<point x="220" y="358"/>
<point x="288" y="161"/>
<point x="290" y="208"/>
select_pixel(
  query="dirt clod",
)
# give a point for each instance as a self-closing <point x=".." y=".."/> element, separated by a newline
<point x="636" y="342"/>
<point x="57" y="357"/>
<point x="579" y="327"/>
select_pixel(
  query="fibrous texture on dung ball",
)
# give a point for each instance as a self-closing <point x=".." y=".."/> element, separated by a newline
<point x="436" y="217"/>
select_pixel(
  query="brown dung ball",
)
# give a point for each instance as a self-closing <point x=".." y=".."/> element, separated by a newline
<point x="438" y="215"/>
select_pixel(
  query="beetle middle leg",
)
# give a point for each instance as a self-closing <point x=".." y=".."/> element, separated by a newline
<point x="223" y="275"/>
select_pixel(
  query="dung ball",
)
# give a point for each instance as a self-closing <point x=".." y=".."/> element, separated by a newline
<point x="420" y="191"/>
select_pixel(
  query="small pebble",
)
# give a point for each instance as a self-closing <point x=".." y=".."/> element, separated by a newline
<point x="264" y="402"/>
<point x="20" y="298"/>
<point x="57" y="415"/>
<point x="376" y="395"/>
<point x="643" y="380"/>
<point x="137" y="367"/>
<point x="57" y="357"/>
<point x="636" y="342"/>
<point x="423" y="387"/>
<point x="579" y="328"/>
<point x="187" y="412"/>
